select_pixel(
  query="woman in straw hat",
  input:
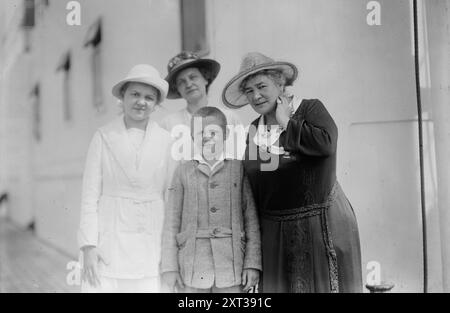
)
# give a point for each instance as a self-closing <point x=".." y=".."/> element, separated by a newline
<point x="190" y="78"/>
<point x="310" y="240"/>
<point x="128" y="167"/>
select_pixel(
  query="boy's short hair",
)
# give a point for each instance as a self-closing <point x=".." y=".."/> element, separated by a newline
<point x="211" y="111"/>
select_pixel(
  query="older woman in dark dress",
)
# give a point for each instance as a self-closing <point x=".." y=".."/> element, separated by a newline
<point x="310" y="240"/>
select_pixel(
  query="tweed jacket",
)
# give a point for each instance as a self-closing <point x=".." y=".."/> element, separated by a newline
<point x="184" y="229"/>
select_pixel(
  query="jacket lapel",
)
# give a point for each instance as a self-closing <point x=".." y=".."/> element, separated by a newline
<point x="153" y="152"/>
<point x="116" y="138"/>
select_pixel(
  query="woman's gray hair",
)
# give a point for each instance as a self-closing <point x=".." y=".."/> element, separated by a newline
<point x="275" y="75"/>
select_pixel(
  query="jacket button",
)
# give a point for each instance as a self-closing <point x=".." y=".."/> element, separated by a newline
<point x="213" y="209"/>
<point x="213" y="185"/>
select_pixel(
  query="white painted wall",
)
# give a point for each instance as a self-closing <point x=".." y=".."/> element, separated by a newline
<point x="15" y="167"/>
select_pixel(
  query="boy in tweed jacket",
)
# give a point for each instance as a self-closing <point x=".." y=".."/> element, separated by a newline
<point x="211" y="240"/>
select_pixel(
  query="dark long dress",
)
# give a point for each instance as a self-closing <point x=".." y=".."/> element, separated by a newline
<point x="309" y="233"/>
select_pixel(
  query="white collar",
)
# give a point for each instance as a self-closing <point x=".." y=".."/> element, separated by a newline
<point x="296" y="101"/>
<point x="266" y="139"/>
<point x="198" y="157"/>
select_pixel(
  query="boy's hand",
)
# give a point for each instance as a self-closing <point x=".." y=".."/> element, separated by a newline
<point x="172" y="278"/>
<point x="250" y="278"/>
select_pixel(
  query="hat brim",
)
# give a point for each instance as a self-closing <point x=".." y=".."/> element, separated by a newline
<point x="160" y="84"/>
<point x="211" y="65"/>
<point x="233" y="98"/>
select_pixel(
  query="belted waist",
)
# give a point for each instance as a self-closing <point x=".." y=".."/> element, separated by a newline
<point x="132" y="195"/>
<point x="217" y="232"/>
<point x="303" y="211"/>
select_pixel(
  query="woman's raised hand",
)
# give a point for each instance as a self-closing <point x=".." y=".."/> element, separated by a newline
<point x="283" y="112"/>
<point x="91" y="259"/>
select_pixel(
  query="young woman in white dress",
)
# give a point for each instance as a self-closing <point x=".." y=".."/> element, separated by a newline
<point x="128" y="169"/>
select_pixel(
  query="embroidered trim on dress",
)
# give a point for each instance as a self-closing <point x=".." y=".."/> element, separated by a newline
<point x="328" y="240"/>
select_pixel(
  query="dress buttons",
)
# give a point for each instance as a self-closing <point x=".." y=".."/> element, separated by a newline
<point x="213" y="209"/>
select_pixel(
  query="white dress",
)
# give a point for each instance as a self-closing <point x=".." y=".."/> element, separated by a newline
<point x="124" y="184"/>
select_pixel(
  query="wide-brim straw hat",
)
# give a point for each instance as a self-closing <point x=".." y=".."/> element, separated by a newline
<point x="253" y="63"/>
<point x="145" y="74"/>
<point x="185" y="60"/>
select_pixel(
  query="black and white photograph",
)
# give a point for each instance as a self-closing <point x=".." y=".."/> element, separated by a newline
<point x="239" y="147"/>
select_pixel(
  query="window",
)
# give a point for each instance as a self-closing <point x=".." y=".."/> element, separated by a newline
<point x="94" y="39"/>
<point x="65" y="67"/>
<point x="28" y="22"/>
<point x="193" y="26"/>
<point x="36" y="109"/>
<point x="29" y="14"/>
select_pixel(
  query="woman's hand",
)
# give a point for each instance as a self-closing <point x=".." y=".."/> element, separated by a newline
<point x="91" y="258"/>
<point x="283" y="112"/>
<point x="250" y="278"/>
<point x="171" y="279"/>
